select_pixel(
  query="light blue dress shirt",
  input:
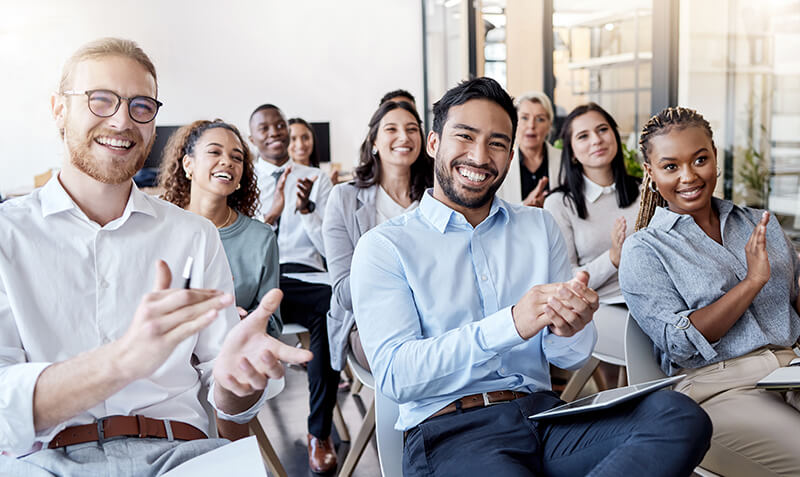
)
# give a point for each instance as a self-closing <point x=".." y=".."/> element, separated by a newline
<point x="432" y="298"/>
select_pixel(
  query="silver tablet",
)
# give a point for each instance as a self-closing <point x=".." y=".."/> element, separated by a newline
<point x="609" y="398"/>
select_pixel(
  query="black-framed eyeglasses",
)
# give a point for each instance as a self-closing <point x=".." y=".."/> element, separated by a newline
<point x="105" y="103"/>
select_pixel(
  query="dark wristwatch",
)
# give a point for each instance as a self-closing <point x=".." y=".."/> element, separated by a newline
<point x="310" y="206"/>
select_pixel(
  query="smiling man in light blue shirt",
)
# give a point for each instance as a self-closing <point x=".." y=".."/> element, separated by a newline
<point x="463" y="302"/>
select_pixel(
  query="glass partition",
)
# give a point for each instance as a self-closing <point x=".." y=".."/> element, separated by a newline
<point x="739" y="67"/>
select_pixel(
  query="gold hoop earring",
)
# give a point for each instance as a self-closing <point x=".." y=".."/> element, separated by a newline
<point x="652" y="186"/>
<point x="238" y="186"/>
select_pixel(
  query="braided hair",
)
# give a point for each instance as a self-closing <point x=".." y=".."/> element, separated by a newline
<point x="669" y="119"/>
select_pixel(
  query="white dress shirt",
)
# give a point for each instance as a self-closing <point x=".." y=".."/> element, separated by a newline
<point x="299" y="235"/>
<point x="68" y="285"/>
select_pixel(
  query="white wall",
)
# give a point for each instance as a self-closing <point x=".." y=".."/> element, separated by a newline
<point x="323" y="60"/>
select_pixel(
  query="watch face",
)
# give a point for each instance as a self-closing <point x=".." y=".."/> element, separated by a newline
<point x="311" y="206"/>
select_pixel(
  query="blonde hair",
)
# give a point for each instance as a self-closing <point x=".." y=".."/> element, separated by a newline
<point x="662" y="123"/>
<point x="102" y="48"/>
<point x="536" y="97"/>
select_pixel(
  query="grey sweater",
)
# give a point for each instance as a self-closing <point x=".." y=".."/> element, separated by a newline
<point x="252" y="252"/>
<point x="588" y="240"/>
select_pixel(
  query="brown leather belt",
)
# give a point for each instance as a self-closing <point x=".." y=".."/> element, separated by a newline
<point x="111" y="427"/>
<point x="479" y="400"/>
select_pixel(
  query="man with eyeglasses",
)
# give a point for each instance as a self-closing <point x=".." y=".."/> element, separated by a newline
<point x="97" y="344"/>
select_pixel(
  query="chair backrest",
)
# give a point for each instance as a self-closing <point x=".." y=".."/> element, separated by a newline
<point x="361" y="373"/>
<point x="390" y="440"/>
<point x="641" y="364"/>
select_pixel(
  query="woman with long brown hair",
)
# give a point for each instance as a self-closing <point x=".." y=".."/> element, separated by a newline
<point x="592" y="207"/>
<point x="393" y="173"/>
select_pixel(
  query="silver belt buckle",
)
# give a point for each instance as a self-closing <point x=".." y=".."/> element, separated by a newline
<point x="486" y="402"/>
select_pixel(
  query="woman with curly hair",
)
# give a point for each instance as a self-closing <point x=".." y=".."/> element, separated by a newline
<point x="207" y="169"/>
<point x="391" y="177"/>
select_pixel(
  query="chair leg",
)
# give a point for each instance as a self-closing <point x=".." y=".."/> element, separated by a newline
<point x="362" y="439"/>
<point x="349" y="372"/>
<point x="356" y="387"/>
<point x="579" y="379"/>
<point x="341" y="427"/>
<point x="305" y="340"/>
<point x="622" y="379"/>
<point x="267" y="451"/>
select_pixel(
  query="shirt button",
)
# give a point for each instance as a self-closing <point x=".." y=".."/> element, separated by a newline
<point x="484" y="277"/>
<point x="502" y="370"/>
<point x="683" y="323"/>
<point x="104" y="284"/>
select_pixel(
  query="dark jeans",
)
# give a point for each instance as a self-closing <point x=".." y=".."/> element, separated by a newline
<point x="307" y="304"/>
<point x="663" y="434"/>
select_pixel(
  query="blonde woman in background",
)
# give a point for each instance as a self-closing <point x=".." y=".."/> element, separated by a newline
<point x="534" y="171"/>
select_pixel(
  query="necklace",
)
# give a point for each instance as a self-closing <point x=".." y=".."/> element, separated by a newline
<point x="225" y="223"/>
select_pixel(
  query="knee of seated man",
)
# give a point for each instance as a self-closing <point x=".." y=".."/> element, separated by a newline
<point x="677" y="416"/>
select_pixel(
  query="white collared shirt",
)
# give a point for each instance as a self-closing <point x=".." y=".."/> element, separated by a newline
<point x="68" y="285"/>
<point x="592" y="191"/>
<point x="299" y="235"/>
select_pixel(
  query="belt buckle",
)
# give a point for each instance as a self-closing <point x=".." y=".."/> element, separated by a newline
<point x="101" y="437"/>
<point x="486" y="402"/>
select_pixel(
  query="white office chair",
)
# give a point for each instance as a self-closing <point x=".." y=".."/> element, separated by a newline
<point x="303" y="335"/>
<point x="642" y="365"/>
<point x="367" y="425"/>
<point x="390" y="441"/>
<point x="612" y="355"/>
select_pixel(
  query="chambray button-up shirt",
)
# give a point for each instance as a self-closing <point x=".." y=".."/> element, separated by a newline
<point x="672" y="268"/>
<point x="432" y="298"/>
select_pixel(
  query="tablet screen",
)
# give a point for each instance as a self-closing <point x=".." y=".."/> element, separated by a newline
<point x="608" y="398"/>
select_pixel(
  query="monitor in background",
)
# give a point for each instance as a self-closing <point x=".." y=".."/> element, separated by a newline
<point x="163" y="134"/>
<point x="322" y="132"/>
<point x="148" y="174"/>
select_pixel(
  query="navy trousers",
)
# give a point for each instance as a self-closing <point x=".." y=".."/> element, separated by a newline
<point x="662" y="434"/>
<point x="307" y="304"/>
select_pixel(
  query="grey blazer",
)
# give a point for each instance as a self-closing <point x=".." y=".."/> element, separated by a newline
<point x="349" y="214"/>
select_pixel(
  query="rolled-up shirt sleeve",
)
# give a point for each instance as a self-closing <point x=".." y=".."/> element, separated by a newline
<point x="658" y="307"/>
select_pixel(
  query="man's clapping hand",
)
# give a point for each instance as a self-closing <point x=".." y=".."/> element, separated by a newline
<point x="565" y="308"/>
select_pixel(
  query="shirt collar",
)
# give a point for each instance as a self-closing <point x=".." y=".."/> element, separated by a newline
<point x="269" y="167"/>
<point x="593" y="191"/>
<point x="55" y="199"/>
<point x="665" y="219"/>
<point x="440" y="215"/>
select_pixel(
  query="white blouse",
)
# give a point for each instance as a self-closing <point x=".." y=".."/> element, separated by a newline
<point x="386" y="207"/>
